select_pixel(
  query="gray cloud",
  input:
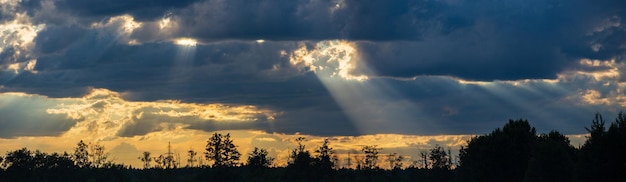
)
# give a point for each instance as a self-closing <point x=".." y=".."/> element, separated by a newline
<point x="141" y="9"/>
<point x="27" y="116"/>
<point x="474" y="40"/>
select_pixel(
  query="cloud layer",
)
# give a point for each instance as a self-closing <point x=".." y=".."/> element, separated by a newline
<point x="340" y="67"/>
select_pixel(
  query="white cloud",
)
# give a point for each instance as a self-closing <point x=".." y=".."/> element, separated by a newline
<point x="16" y="44"/>
<point x="330" y="58"/>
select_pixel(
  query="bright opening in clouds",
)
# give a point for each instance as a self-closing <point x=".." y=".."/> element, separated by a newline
<point x="135" y="76"/>
<point x="186" y="42"/>
<point x="330" y="58"/>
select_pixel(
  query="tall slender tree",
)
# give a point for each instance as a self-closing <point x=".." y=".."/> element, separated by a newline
<point x="99" y="157"/>
<point x="146" y="159"/>
<point x="214" y="149"/>
<point x="602" y="157"/>
<point x="231" y="154"/>
<point x="326" y="158"/>
<point x="371" y="156"/>
<point x="222" y="151"/>
<point x="81" y="155"/>
<point x="424" y="160"/>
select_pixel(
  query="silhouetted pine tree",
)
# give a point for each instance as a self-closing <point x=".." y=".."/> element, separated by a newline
<point x="602" y="157"/>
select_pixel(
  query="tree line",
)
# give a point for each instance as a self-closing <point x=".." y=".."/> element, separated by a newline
<point x="514" y="152"/>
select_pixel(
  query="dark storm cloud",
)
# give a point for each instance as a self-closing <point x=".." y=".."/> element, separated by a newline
<point x="305" y="20"/>
<point x="490" y="60"/>
<point x="506" y="40"/>
<point x="140" y="9"/>
<point x="475" y="40"/>
<point x="55" y="39"/>
<point x="123" y="67"/>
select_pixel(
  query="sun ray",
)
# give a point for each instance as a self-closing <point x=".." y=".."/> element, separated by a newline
<point x="183" y="62"/>
<point x="372" y="104"/>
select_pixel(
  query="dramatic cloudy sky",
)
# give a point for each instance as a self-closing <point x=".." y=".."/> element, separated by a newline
<point x="402" y="74"/>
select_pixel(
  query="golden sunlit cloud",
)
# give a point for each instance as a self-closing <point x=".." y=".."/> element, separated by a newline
<point x="104" y="114"/>
<point x="120" y="28"/>
<point x="186" y="42"/>
<point x="605" y="75"/>
<point x="611" y="69"/>
<point x="18" y="36"/>
<point x="165" y="23"/>
<point x="330" y="58"/>
<point x="125" y="24"/>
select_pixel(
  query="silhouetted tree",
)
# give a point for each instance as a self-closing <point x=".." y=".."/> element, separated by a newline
<point x="81" y="155"/>
<point x="371" y="156"/>
<point x="325" y="156"/>
<point x="146" y="159"/>
<point x="597" y="129"/>
<point x="300" y="157"/>
<point x="221" y="150"/>
<point x="395" y="161"/>
<point x="231" y="154"/>
<point x="22" y="159"/>
<point x="168" y="161"/>
<point x="594" y="159"/>
<point x="501" y="155"/>
<point x="99" y="157"/>
<point x="616" y="135"/>
<point x="552" y="159"/>
<point x="424" y="160"/>
<point x="258" y="158"/>
<point x="439" y="158"/>
<point x="602" y="156"/>
<point x="160" y="162"/>
<point x="360" y="162"/>
<point x="214" y="149"/>
<point x="26" y="165"/>
<point x="303" y="167"/>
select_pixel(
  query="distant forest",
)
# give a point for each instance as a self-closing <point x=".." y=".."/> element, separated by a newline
<point x="513" y="153"/>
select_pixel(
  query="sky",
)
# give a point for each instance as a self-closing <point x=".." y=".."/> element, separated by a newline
<point x="405" y="75"/>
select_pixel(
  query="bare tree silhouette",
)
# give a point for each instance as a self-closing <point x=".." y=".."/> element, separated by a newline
<point x="146" y="159"/>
